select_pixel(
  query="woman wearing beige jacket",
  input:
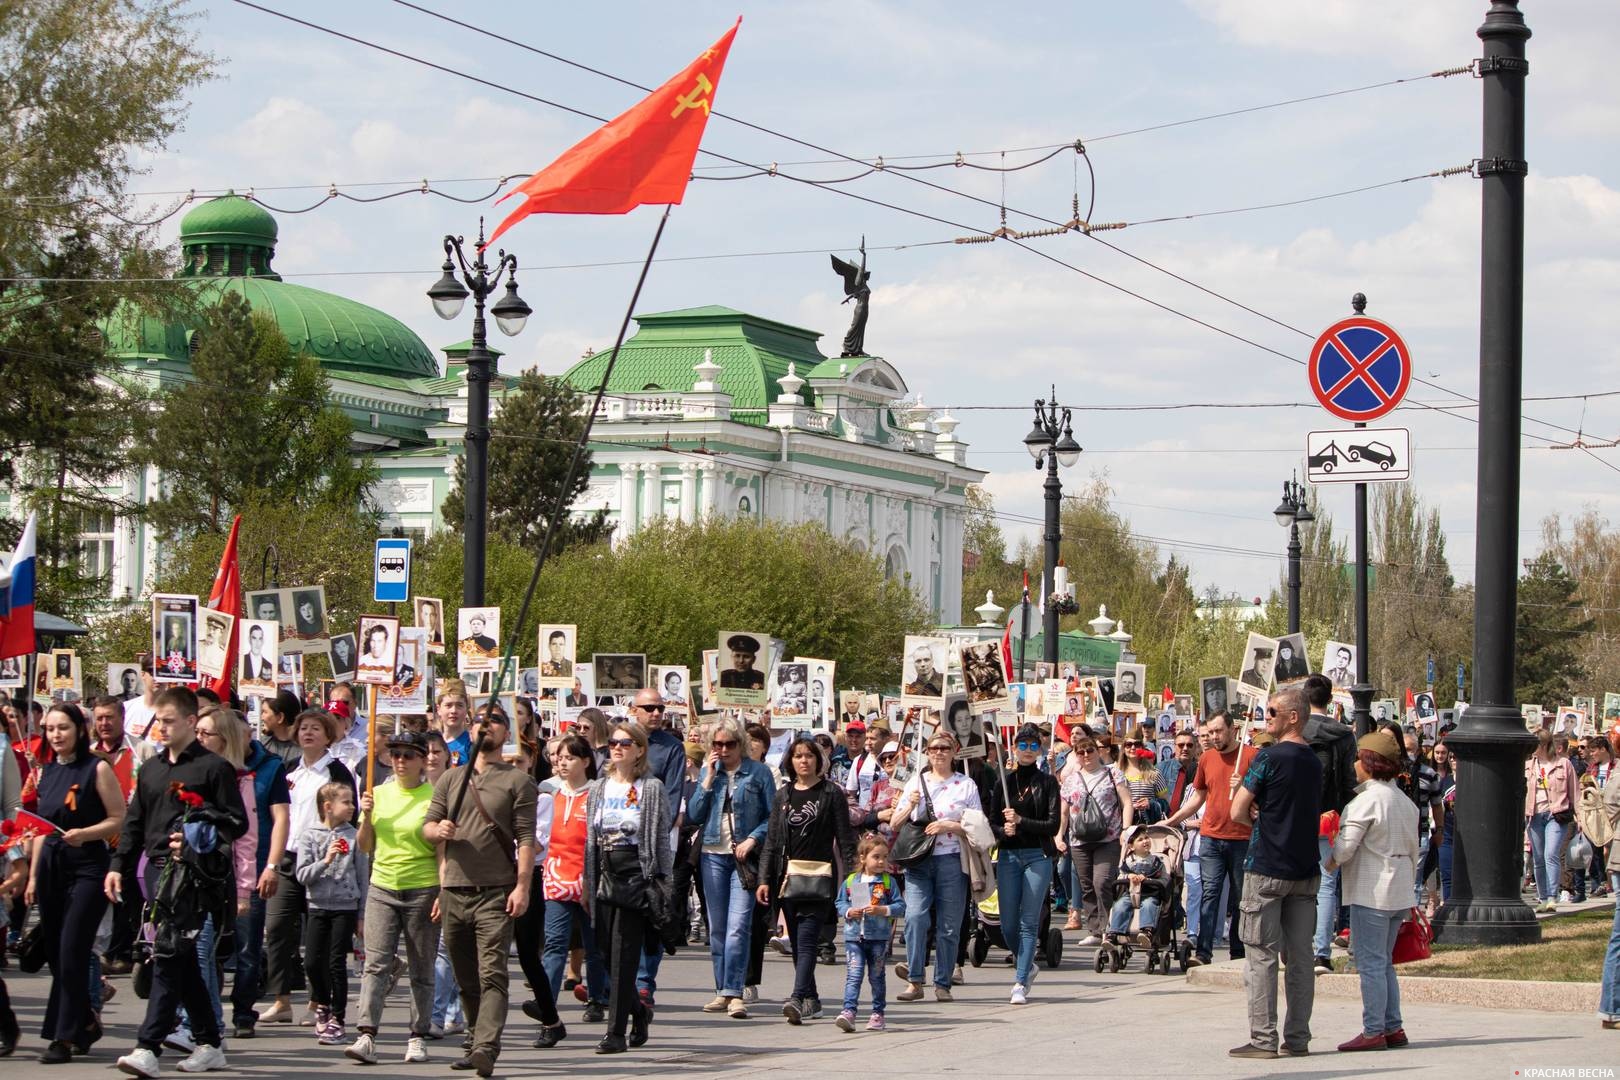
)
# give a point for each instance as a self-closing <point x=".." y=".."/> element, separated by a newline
<point x="1377" y="846"/>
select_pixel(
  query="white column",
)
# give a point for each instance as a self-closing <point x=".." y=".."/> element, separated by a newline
<point x="688" y="491"/>
<point x="627" y="499"/>
<point x="650" y="492"/>
<point x="711" y="489"/>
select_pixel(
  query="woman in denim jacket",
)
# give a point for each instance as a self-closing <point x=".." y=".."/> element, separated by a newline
<point x="733" y="800"/>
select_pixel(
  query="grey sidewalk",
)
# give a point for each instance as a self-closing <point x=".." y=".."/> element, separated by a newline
<point x="1077" y="1023"/>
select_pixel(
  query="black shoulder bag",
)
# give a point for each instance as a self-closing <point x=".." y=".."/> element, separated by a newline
<point x="913" y="844"/>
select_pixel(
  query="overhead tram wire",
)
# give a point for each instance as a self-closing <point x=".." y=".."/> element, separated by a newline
<point x="422" y="61"/>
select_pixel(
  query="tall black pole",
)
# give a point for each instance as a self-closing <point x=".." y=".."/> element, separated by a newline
<point x="1361" y="693"/>
<point x="1023" y="634"/>
<point x="1049" y="617"/>
<point x="475" y="513"/>
<point x="1491" y="743"/>
<point x="1294" y="552"/>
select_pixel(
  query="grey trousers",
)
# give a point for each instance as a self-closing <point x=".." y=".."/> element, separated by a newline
<point x="478" y="941"/>
<point x="1277" y="917"/>
<point x="391" y="915"/>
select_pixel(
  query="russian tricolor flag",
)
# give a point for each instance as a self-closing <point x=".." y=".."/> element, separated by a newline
<point x="17" y="598"/>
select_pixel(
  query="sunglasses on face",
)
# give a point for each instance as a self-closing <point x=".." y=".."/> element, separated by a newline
<point x="724" y="744"/>
<point x="650" y="708"/>
<point x="621" y="742"/>
<point x="1031" y="746"/>
<point x="407" y="754"/>
<point x="939" y="749"/>
<point x="1085" y="749"/>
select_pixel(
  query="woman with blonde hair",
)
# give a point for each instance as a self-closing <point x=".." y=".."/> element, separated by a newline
<point x="627" y="851"/>
<point x="1551" y="793"/>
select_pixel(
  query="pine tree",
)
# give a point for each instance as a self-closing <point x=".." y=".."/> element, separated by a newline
<point x="1547" y="668"/>
<point x="531" y="444"/>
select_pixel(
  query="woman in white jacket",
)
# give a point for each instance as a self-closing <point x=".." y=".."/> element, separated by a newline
<point x="1377" y="846"/>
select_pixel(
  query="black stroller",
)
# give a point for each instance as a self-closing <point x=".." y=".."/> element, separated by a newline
<point x="1166" y="950"/>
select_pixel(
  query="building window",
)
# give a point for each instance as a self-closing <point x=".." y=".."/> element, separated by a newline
<point x="96" y="530"/>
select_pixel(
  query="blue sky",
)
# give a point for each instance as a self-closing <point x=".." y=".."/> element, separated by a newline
<point x="988" y="324"/>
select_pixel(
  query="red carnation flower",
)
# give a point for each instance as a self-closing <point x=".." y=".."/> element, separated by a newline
<point x="190" y="799"/>
<point x="342" y="846"/>
<point x="8" y="828"/>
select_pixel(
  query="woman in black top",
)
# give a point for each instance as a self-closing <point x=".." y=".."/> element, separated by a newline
<point x="1027" y="816"/>
<point x="810" y="819"/>
<point x="79" y="794"/>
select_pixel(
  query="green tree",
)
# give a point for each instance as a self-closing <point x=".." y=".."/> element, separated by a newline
<point x="985" y="566"/>
<point x="253" y="424"/>
<point x="1547" y="668"/>
<point x="532" y="441"/>
<point x="1591" y="552"/>
<point x="1416" y="609"/>
<point x="671" y="588"/>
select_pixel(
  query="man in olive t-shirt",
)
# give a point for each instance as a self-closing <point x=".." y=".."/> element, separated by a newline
<point x="478" y="815"/>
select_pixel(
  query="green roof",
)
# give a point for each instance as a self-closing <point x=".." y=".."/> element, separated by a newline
<point x="753" y="353"/>
<point x="345" y="335"/>
<point x="229" y="219"/>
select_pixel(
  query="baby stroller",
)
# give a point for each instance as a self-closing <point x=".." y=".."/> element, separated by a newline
<point x="1166" y="950"/>
<point x="986" y="931"/>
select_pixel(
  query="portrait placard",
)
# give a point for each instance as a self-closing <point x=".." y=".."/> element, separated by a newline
<point x="1423" y="705"/>
<point x="290" y="671"/>
<point x="61" y="669"/>
<point x="1054" y="698"/>
<point x="1155" y="703"/>
<point x="849" y="708"/>
<point x="214" y="644"/>
<point x="379" y="650"/>
<point x="13" y="673"/>
<point x="1212" y="692"/>
<point x="257" y="643"/>
<point x="556" y="650"/>
<point x="671" y="682"/>
<point x="1291" y="666"/>
<point x="343" y="654"/>
<point x="1259" y="662"/>
<point x="1248" y="705"/>
<point x="123" y="681"/>
<point x="822" y="697"/>
<point x="922" y="671"/>
<point x="1184" y="704"/>
<point x="1569" y="721"/>
<point x="984" y="678"/>
<point x="265" y="605"/>
<point x="790" y="697"/>
<point x="306" y="630"/>
<point x="741" y="682"/>
<point x="710" y="678"/>
<point x="1128" y="682"/>
<point x="1339" y="664"/>
<point x="407" y="694"/>
<point x="478" y="638"/>
<point x="174" y="637"/>
<point x="620" y="673"/>
<point x="1611" y="709"/>
<point x="1532" y="716"/>
<point x="1386" y="709"/>
<point x="429" y="617"/>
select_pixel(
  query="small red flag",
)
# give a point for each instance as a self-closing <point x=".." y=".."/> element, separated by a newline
<point x="226" y="596"/>
<point x="643" y="156"/>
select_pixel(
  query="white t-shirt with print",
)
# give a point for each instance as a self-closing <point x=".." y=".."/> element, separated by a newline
<point x="950" y="798"/>
<point x="619" y="815"/>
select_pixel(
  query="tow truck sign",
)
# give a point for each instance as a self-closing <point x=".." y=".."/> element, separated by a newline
<point x="1359" y="456"/>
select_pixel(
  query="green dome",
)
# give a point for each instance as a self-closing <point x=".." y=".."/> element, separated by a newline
<point x="229" y="219"/>
<point x="343" y="334"/>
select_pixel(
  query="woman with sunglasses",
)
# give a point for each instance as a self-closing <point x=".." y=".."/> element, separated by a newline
<point x="627" y="847"/>
<point x="733" y="800"/>
<point x="1024" y="809"/>
<point x="1095" y="858"/>
<point x="936" y="888"/>
<point x="401" y="898"/>
<point x="562" y="877"/>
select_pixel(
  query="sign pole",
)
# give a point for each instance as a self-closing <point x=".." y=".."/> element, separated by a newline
<point x="371" y="738"/>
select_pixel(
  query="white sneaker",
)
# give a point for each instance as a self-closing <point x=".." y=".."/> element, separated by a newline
<point x="180" y="1039"/>
<point x="363" y="1050"/>
<point x="140" y="1062"/>
<point x="455" y="1027"/>
<point x="1565" y="898"/>
<point x="204" y="1059"/>
<point x="1091" y="939"/>
<point x="1020" y="996"/>
<point x="415" y="1051"/>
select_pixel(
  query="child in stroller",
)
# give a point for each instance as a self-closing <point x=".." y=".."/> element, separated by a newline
<point x="1146" y="889"/>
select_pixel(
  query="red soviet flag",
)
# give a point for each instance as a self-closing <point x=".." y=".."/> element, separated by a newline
<point x="643" y="156"/>
<point x="226" y="596"/>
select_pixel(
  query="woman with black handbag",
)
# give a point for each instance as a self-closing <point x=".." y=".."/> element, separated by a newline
<point x="627" y="856"/>
<point x="809" y="828"/>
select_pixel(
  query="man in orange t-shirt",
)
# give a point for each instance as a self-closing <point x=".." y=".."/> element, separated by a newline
<point x="1223" y="843"/>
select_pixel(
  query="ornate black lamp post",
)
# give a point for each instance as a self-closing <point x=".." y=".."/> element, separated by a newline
<point x="448" y="295"/>
<point x="1290" y="513"/>
<point x="1051" y="443"/>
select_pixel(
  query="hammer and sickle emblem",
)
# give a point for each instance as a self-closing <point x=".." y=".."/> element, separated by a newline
<point x="696" y="99"/>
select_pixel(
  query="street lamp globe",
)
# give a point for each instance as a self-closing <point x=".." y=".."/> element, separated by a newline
<point x="1037" y="441"/>
<point x="1066" y="449"/>
<point x="447" y="293"/>
<point x="1284" y="514"/>
<point x="510" y="312"/>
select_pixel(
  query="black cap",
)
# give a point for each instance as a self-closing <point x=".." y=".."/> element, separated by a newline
<point x="743" y="643"/>
<point x="408" y="740"/>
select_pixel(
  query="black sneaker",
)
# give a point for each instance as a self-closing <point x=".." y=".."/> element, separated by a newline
<point x="1249" y="1050"/>
<point x="595" y="1013"/>
<point x="550" y="1036"/>
<point x="793" y="1009"/>
<point x="639" y="1023"/>
<point x="1324" y="966"/>
<point x="611" y="1044"/>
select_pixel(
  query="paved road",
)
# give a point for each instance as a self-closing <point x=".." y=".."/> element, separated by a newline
<point x="1077" y="1024"/>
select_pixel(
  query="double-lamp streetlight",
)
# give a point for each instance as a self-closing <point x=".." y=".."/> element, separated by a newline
<point x="1290" y="514"/>
<point x="1051" y="443"/>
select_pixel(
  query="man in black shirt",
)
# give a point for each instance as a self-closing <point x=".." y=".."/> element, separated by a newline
<point x="1282" y="794"/>
<point x="1335" y="747"/>
<point x="156" y="825"/>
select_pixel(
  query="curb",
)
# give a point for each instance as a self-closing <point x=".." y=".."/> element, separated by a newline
<point x="1559" y="997"/>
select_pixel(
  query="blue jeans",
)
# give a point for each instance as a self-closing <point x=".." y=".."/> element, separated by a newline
<point x="1119" y="920"/>
<point x="446" y="995"/>
<point x="1445" y="870"/>
<point x="1023" y="878"/>
<point x="652" y="956"/>
<point x="1372" y="938"/>
<point x="1609" y="992"/>
<point x="1327" y="902"/>
<point x="865" y="958"/>
<point x="1219" y="862"/>
<point x="249" y="944"/>
<point x="731" y="916"/>
<point x="207" y="941"/>
<point x="1193" y="893"/>
<point x="561" y="918"/>
<point x="1547" y="853"/>
<point x="936" y="896"/>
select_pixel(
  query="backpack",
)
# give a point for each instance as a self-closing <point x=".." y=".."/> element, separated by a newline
<point x="1594" y="818"/>
<point x="1326" y="738"/>
<point x="1087" y="824"/>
